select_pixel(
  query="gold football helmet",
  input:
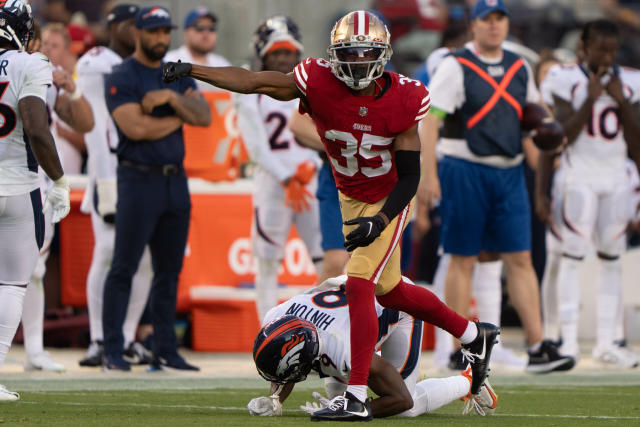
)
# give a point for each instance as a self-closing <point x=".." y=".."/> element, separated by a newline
<point x="359" y="48"/>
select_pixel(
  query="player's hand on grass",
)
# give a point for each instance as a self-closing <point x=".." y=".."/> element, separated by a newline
<point x="172" y="71"/>
<point x="311" y="407"/>
<point x="297" y="196"/>
<point x="369" y="228"/>
<point x="265" y="406"/>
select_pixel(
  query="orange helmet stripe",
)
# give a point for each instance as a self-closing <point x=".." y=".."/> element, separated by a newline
<point x="285" y="327"/>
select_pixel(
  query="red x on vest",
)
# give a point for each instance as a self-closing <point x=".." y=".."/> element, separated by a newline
<point x="500" y="90"/>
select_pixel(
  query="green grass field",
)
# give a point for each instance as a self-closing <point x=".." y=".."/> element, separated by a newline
<point x="583" y="400"/>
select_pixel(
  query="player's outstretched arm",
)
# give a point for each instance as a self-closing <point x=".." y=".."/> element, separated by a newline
<point x="35" y="121"/>
<point x="236" y="79"/>
<point x="387" y="383"/>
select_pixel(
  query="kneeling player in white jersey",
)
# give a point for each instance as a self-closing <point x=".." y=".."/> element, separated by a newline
<point x="285" y="178"/>
<point x="311" y="331"/>
<point x="598" y="104"/>
<point x="101" y="194"/>
<point x="27" y="142"/>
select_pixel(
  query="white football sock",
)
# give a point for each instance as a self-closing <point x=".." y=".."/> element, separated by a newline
<point x="359" y="391"/>
<point x="140" y="288"/>
<point x="487" y="290"/>
<point x="434" y="393"/>
<point x="11" y="300"/>
<point x="266" y="285"/>
<point x="551" y="328"/>
<point x="33" y="317"/>
<point x="469" y="334"/>
<point x="568" y="303"/>
<point x="444" y="340"/>
<point x="100" y="264"/>
<point x="608" y="297"/>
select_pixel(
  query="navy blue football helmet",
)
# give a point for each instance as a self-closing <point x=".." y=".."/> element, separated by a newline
<point x="285" y="349"/>
<point x="16" y="23"/>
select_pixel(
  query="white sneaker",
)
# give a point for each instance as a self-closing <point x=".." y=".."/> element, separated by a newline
<point x="484" y="402"/>
<point x="8" y="396"/>
<point x="42" y="362"/>
<point x="503" y="357"/>
<point x="615" y="357"/>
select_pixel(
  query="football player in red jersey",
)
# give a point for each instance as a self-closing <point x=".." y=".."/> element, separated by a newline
<point x="368" y="120"/>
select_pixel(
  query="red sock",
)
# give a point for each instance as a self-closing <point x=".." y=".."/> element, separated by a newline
<point x="364" y="327"/>
<point x="424" y="305"/>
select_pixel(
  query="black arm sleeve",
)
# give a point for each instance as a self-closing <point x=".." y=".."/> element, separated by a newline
<point x="408" y="167"/>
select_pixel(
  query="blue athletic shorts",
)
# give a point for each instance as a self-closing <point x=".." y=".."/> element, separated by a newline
<point x="330" y="216"/>
<point x="483" y="208"/>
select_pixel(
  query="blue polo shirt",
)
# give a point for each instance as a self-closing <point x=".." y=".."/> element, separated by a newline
<point x="129" y="82"/>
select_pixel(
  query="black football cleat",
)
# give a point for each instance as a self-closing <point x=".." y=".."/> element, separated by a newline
<point x="478" y="353"/>
<point x="171" y="362"/>
<point x="548" y="359"/>
<point x="457" y="361"/>
<point x="345" y="408"/>
<point x="94" y="355"/>
<point x="137" y="354"/>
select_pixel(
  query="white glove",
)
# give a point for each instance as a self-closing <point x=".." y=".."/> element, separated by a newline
<point x="58" y="200"/>
<point x="312" y="407"/>
<point x="107" y="196"/>
<point x="265" y="406"/>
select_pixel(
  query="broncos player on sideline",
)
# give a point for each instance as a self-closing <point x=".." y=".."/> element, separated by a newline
<point x="68" y="104"/>
<point x="311" y="331"/>
<point x="598" y="103"/>
<point x="284" y="178"/>
<point x="101" y="192"/>
<point x="368" y="120"/>
<point x="27" y="143"/>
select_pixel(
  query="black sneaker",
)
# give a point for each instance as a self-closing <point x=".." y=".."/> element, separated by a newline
<point x="137" y="354"/>
<point x="93" y="357"/>
<point x="478" y="353"/>
<point x="547" y="359"/>
<point x="457" y="361"/>
<point x="115" y="363"/>
<point x="173" y="361"/>
<point x="345" y="408"/>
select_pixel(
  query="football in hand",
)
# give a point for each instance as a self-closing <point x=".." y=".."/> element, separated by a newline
<point x="548" y="135"/>
<point x="532" y="116"/>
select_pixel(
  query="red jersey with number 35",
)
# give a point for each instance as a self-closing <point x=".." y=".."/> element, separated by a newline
<point x="358" y="131"/>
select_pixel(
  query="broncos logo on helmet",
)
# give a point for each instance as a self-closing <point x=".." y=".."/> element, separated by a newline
<point x="285" y="349"/>
<point x="359" y="48"/>
<point x="16" y="22"/>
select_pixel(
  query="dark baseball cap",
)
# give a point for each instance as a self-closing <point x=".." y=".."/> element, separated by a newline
<point x="197" y="13"/>
<point x="122" y="12"/>
<point x="484" y="7"/>
<point x="149" y="18"/>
